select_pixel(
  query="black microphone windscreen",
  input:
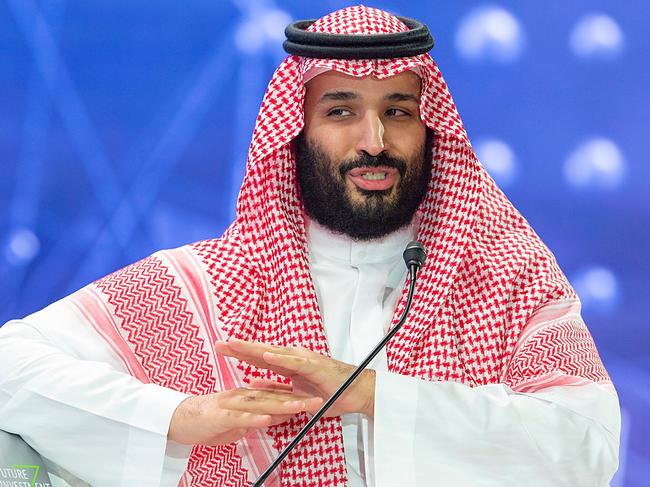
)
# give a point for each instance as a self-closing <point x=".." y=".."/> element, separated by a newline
<point x="414" y="254"/>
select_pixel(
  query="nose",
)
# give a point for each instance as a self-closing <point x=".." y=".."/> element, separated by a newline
<point x="371" y="136"/>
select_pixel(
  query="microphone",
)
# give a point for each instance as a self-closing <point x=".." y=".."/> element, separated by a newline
<point x="414" y="257"/>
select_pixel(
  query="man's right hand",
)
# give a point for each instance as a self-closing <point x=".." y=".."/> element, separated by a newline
<point x="224" y="417"/>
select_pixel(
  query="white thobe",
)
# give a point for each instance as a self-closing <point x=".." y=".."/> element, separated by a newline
<point x="59" y="379"/>
<point x="357" y="285"/>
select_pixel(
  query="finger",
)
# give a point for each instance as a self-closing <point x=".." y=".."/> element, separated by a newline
<point x="313" y="405"/>
<point x="257" y="349"/>
<point x="253" y="352"/>
<point x="264" y="402"/>
<point x="270" y="385"/>
<point x="226" y="348"/>
<point x="233" y="419"/>
<point x="298" y="365"/>
<point x="246" y="349"/>
<point x="260" y="363"/>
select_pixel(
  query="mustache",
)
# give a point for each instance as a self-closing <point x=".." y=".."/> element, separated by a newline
<point x="366" y="160"/>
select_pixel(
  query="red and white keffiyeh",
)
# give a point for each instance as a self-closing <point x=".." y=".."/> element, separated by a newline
<point x="487" y="278"/>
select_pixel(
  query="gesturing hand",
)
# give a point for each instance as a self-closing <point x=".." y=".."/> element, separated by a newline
<point x="311" y="375"/>
<point x="224" y="417"/>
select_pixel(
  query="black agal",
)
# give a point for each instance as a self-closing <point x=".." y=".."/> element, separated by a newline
<point x="416" y="40"/>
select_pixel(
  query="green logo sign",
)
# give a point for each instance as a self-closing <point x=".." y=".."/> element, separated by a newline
<point x="35" y="467"/>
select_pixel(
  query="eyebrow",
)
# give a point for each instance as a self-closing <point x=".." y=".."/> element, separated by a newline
<point x="351" y="95"/>
<point x="338" y="96"/>
<point x="402" y="97"/>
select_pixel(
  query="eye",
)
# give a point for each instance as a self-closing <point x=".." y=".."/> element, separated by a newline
<point x="339" y="112"/>
<point x="397" y="112"/>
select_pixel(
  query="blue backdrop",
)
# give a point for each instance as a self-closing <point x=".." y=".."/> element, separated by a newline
<point x="124" y="129"/>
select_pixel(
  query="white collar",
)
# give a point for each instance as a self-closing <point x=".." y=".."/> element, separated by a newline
<point x="327" y="245"/>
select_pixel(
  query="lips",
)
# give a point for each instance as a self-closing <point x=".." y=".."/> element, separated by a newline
<point x="378" y="178"/>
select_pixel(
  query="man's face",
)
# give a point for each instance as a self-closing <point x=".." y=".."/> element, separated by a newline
<point x="364" y="156"/>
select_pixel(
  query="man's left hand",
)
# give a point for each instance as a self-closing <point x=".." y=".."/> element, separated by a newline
<point x="310" y="373"/>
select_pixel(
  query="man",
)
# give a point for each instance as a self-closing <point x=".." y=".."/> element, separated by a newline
<point x="203" y="362"/>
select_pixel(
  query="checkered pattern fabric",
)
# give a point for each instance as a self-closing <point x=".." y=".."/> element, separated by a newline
<point x="487" y="273"/>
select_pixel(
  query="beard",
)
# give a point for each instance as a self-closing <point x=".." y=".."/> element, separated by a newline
<point x="328" y="199"/>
